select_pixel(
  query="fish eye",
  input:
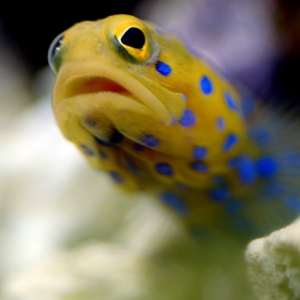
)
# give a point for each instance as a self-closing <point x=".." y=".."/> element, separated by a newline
<point x="134" y="37"/>
<point x="53" y="51"/>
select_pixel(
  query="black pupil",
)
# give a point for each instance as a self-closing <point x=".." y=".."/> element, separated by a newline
<point x="134" y="38"/>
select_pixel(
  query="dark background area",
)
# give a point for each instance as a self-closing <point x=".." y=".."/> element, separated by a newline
<point x="30" y="28"/>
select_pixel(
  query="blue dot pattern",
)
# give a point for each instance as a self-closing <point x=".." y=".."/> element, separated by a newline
<point x="220" y="194"/>
<point x="220" y="124"/>
<point x="188" y="118"/>
<point x="175" y="202"/>
<point x="206" y="85"/>
<point x="199" y="167"/>
<point x="163" y="68"/>
<point x="200" y="153"/>
<point x="230" y="142"/>
<point x="87" y="151"/>
<point x="247" y="170"/>
<point x="116" y="176"/>
<point x="150" y="140"/>
<point x="230" y="101"/>
<point x="164" y="169"/>
<point x="267" y="166"/>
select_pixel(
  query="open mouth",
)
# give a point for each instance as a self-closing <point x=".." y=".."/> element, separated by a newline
<point x="85" y="79"/>
<point x="96" y="85"/>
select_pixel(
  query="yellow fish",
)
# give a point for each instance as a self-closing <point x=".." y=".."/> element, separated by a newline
<point x="141" y="106"/>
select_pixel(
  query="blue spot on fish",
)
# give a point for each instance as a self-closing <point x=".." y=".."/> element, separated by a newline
<point x="183" y="96"/>
<point x="188" y="118"/>
<point x="206" y="85"/>
<point x="163" y="68"/>
<point x="175" y="202"/>
<point x="116" y="176"/>
<point x="220" y="124"/>
<point x="230" y="101"/>
<point x="199" y="153"/>
<point x="220" y="194"/>
<point x="267" y="166"/>
<point x="246" y="170"/>
<point x="199" y="167"/>
<point x="87" y="151"/>
<point x="164" y="169"/>
<point x="150" y="140"/>
<point x="230" y="142"/>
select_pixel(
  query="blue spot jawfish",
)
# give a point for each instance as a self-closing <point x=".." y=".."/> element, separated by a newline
<point x="152" y="115"/>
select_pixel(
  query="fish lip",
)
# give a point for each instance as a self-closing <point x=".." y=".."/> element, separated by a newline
<point x="83" y="71"/>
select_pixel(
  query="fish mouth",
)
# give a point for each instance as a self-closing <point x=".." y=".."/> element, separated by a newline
<point x="108" y="89"/>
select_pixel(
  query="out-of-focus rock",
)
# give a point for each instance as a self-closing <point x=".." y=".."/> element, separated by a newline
<point x="274" y="264"/>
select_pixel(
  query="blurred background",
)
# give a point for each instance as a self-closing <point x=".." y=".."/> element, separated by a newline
<point x="30" y="28"/>
<point x="248" y="35"/>
<point x="56" y="236"/>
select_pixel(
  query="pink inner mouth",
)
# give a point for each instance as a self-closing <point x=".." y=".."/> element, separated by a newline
<point x="95" y="85"/>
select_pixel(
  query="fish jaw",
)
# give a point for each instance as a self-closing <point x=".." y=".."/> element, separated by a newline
<point x="84" y="79"/>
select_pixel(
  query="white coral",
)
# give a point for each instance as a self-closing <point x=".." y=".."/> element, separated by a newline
<point x="274" y="264"/>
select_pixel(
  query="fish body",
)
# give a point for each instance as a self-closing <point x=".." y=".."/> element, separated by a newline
<point x="141" y="106"/>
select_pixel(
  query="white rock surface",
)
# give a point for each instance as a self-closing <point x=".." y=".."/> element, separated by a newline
<point x="274" y="264"/>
